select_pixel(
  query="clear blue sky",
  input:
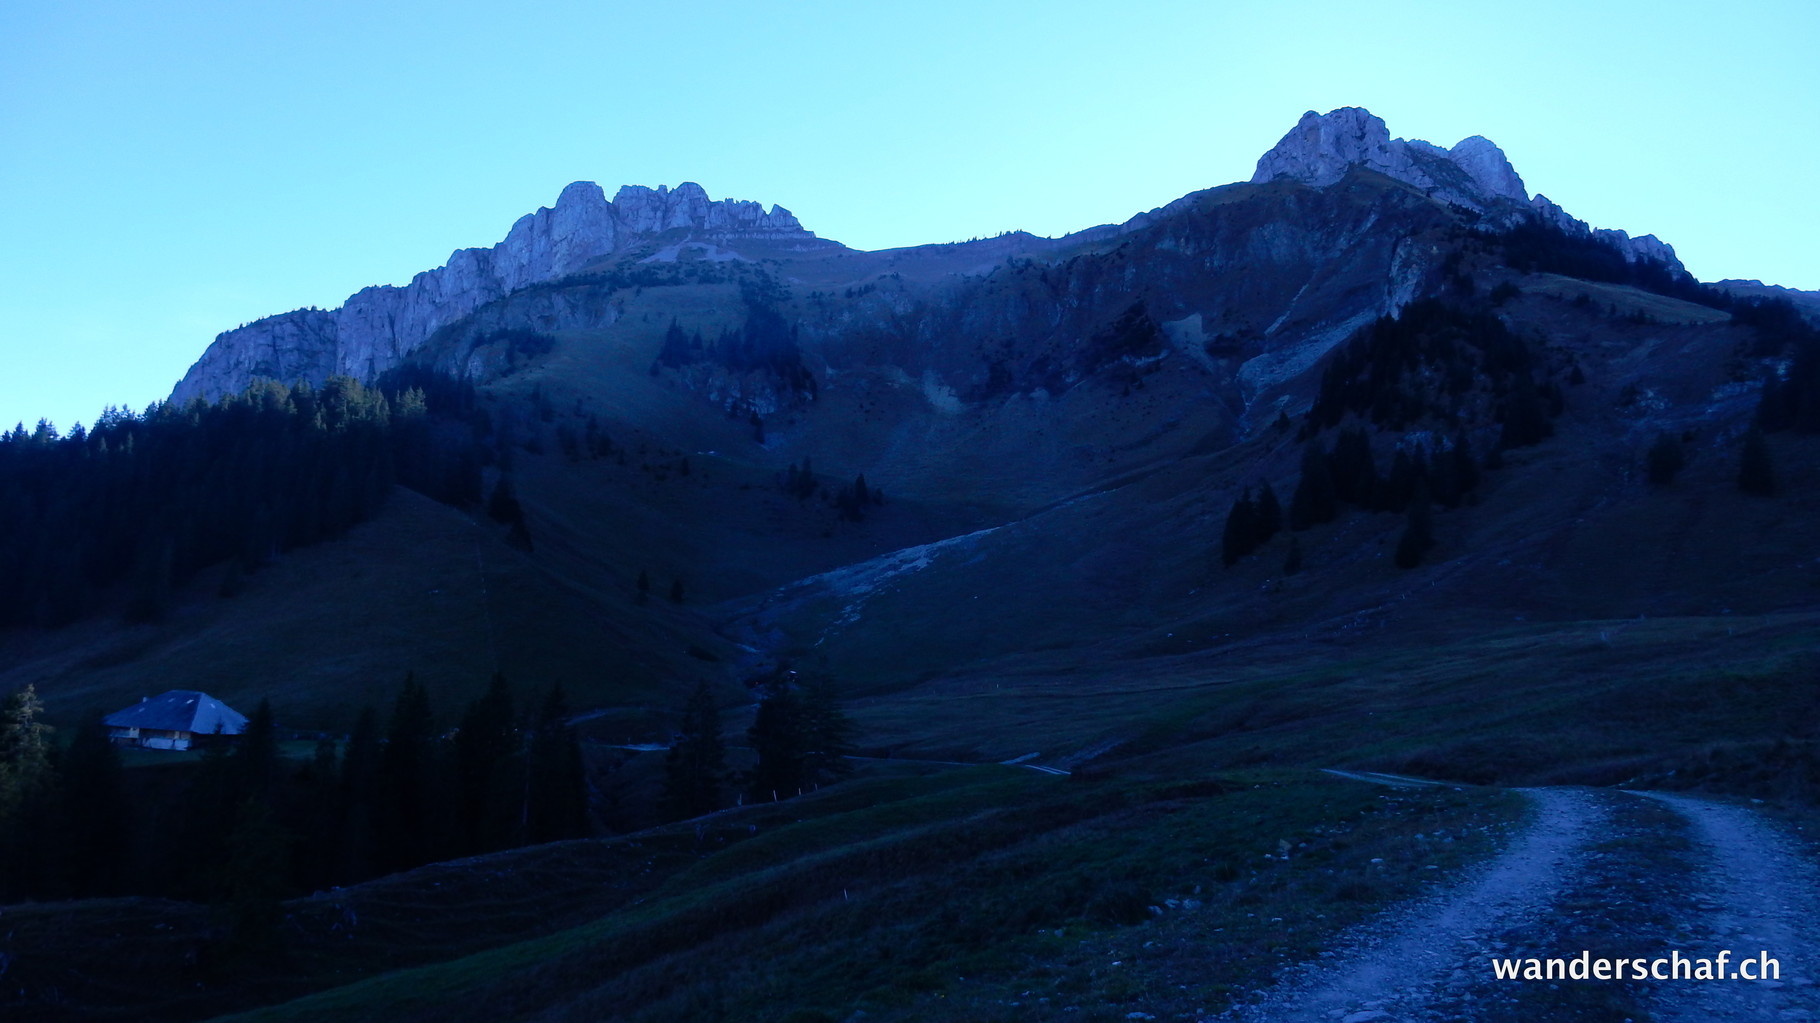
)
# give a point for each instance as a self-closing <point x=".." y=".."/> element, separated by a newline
<point x="169" y="170"/>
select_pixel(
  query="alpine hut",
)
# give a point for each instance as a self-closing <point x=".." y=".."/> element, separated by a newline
<point x="176" y="720"/>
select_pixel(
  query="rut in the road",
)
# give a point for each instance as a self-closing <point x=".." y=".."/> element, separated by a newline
<point x="1388" y="970"/>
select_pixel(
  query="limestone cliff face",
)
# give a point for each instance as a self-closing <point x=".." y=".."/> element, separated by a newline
<point x="377" y="327"/>
<point x="1475" y="174"/>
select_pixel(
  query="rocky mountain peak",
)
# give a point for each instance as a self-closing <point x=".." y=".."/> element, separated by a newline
<point x="1479" y="157"/>
<point x="1321" y="148"/>
<point x="1474" y="174"/>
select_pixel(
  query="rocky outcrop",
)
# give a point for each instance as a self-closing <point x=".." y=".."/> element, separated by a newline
<point x="377" y="327"/>
<point x="1643" y="248"/>
<point x="1322" y="149"/>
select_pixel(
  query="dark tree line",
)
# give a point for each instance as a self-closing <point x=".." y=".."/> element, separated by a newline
<point x="1433" y="363"/>
<point x="800" y="482"/>
<point x="853" y="500"/>
<point x="1535" y="246"/>
<point x="121" y="514"/>
<point x="1250" y="524"/>
<point x="245" y="827"/>
<point x="1418" y="478"/>
<point x="1790" y="401"/>
<point x="1348" y="475"/>
<point x="1437" y="367"/>
<point x="800" y="739"/>
<point x="765" y="343"/>
<point x="800" y="736"/>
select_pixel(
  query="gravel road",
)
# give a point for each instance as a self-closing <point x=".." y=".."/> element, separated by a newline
<point x="1620" y="874"/>
<point x="1757" y="892"/>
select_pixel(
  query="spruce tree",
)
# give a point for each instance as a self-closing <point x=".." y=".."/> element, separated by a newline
<point x="1523" y="415"/>
<point x="319" y="816"/>
<point x="96" y="817"/>
<point x="827" y="732"/>
<point x="503" y="506"/>
<point x="253" y="879"/>
<point x="152" y="581"/>
<point x="1355" y="472"/>
<point x="1314" y="501"/>
<point x="484" y="744"/>
<point x="1418" y="534"/>
<point x="1443" y="485"/>
<point x="27" y="861"/>
<point x="410" y="831"/>
<point x="1756" y="472"/>
<point x="1270" y="515"/>
<point x="255" y="760"/>
<point x="358" y="856"/>
<point x="1665" y="459"/>
<point x="556" y="786"/>
<point x="1467" y="473"/>
<point x="1400" y="484"/>
<point x="696" y="765"/>
<point x="25" y="749"/>
<point x="777" y="736"/>
<point x="1240" y="537"/>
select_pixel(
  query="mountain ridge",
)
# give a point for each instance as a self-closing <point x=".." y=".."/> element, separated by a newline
<point x="378" y="327"/>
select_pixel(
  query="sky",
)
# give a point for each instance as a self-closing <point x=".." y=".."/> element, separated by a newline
<point x="171" y="170"/>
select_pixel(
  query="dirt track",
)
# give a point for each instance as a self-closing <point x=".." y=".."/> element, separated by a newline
<point x="1620" y="874"/>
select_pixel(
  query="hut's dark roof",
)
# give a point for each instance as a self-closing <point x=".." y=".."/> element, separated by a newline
<point x="180" y="710"/>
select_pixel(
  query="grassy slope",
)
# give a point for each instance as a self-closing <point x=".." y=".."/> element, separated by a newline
<point x="420" y="588"/>
<point x="997" y="888"/>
